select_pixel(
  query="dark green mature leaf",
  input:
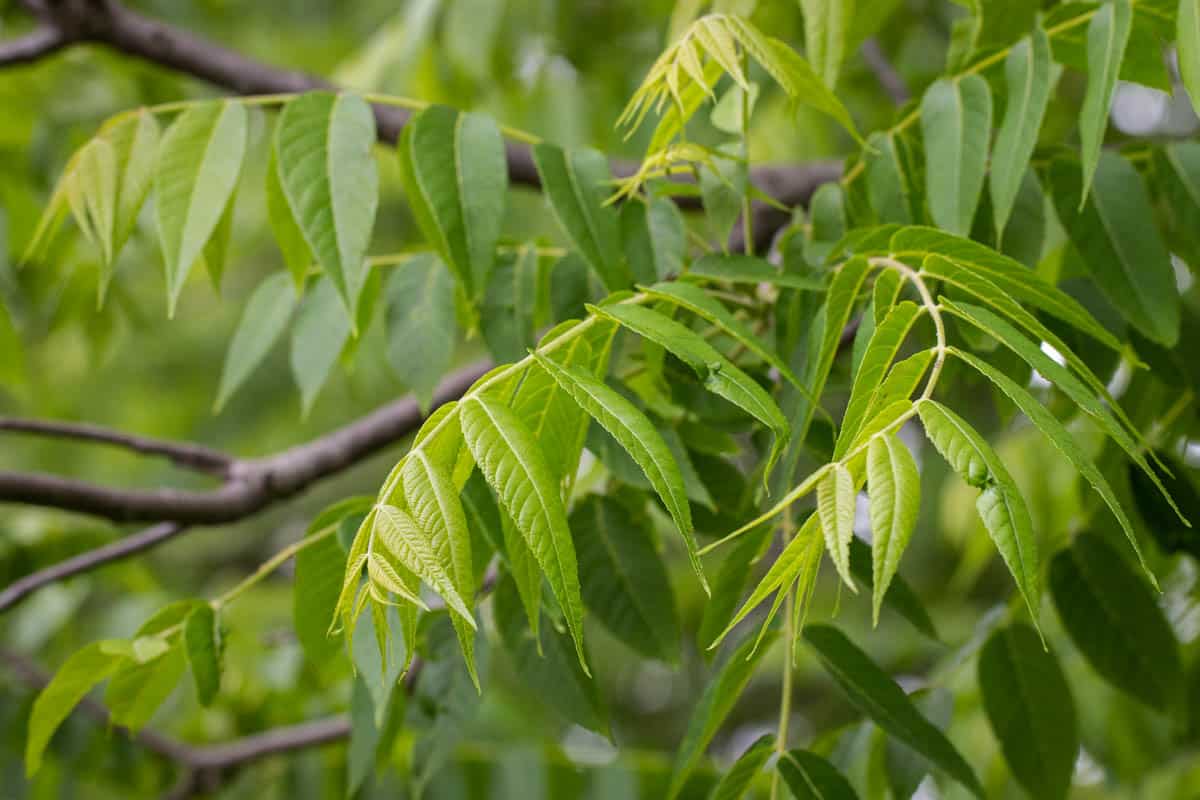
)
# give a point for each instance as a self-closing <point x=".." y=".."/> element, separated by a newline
<point x="889" y="180"/>
<point x="1028" y="703"/>
<point x="882" y="699"/>
<point x="1114" y="230"/>
<point x="75" y="678"/>
<point x="420" y="324"/>
<point x="202" y="637"/>
<point x="1163" y="519"/>
<point x="1113" y="619"/>
<point x="509" y="305"/>
<point x="514" y="466"/>
<point x="1188" y="46"/>
<point x="456" y="179"/>
<point x="625" y="583"/>
<point x="655" y="239"/>
<point x="738" y="268"/>
<point x="576" y="187"/>
<point x="811" y="777"/>
<point x="546" y="664"/>
<point x="1108" y="36"/>
<point x="1027" y="77"/>
<point x="319" y="335"/>
<point x="730" y="583"/>
<point x="899" y="597"/>
<point x="956" y="118"/>
<point x="323" y="145"/>
<point x="380" y="669"/>
<point x="320" y="573"/>
<point x="738" y="778"/>
<point x="198" y="166"/>
<point x="714" y="706"/>
<point x="1000" y="505"/>
<point x="638" y="436"/>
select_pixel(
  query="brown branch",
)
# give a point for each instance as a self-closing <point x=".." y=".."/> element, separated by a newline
<point x="892" y="81"/>
<point x="37" y="44"/>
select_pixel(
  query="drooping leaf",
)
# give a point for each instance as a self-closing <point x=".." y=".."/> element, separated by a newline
<point x="879" y="697"/>
<point x="826" y="26"/>
<point x="319" y="335"/>
<point x="202" y="636"/>
<point x="1000" y="505"/>
<point x="1027" y="78"/>
<point x="1108" y="36"/>
<point x="899" y="596"/>
<point x="514" y="466"/>
<point x="713" y="707"/>
<point x="420" y="324"/>
<point x="956" y="118"/>
<point x="143" y="684"/>
<point x="576" y="187"/>
<point x="263" y="322"/>
<point x="889" y="179"/>
<point x="199" y="162"/>
<point x="1112" y="617"/>
<point x="397" y="533"/>
<point x="730" y="583"/>
<point x="836" y="495"/>
<point x="811" y="777"/>
<point x="134" y="139"/>
<point x="320" y="574"/>
<point x="1029" y="706"/>
<point x="655" y="240"/>
<point x="323" y="147"/>
<point x="625" y="583"/>
<point x="508" y="308"/>
<point x="738" y="778"/>
<point x="894" y="491"/>
<point x="297" y="256"/>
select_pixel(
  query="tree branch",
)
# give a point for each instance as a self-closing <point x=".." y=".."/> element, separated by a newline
<point x="892" y="81"/>
<point x="38" y="43"/>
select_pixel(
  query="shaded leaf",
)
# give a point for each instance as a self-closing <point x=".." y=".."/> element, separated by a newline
<point x="956" y="118"/>
<point x="263" y="322"/>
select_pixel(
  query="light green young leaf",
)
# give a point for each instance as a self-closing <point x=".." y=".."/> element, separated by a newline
<point x="198" y="166"/>
<point x="138" y="688"/>
<point x="319" y="335"/>
<point x="323" y="145"/>
<point x="202" y="636"/>
<point x="514" y="466"/>
<point x="1108" y="36"/>
<point x="399" y="535"/>
<point x="638" y="436"/>
<point x="297" y="256"/>
<point x="625" y="583"/>
<point x="719" y="374"/>
<point x="1000" y="505"/>
<point x="885" y="342"/>
<point x="455" y="176"/>
<point x="836" y="495"/>
<point x="741" y="268"/>
<point x="1029" y="706"/>
<point x="134" y="139"/>
<point x="894" y="492"/>
<point x="956" y="119"/>
<point x="576" y="185"/>
<point x="826" y="26"/>
<point x="92" y="194"/>
<point x="1115" y="621"/>
<point x="1188" y="46"/>
<point x="1115" y="232"/>
<point x="811" y="777"/>
<point x="74" y="679"/>
<point x="713" y="707"/>
<point x="1061" y="438"/>
<point x="266" y="315"/>
<point x="1027" y="77"/>
<point x="879" y="697"/>
<point x="420" y="324"/>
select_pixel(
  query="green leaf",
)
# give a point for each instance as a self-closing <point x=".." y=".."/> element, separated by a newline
<point x="456" y="179"/>
<point x="398" y="534"/>
<point x="380" y="669"/>
<point x="320" y="574"/>
<point x="134" y="140"/>
<point x="509" y="306"/>
<point x="879" y="697"/>
<point x="1112" y="617"/>
<point x="655" y="239"/>
<point x="216" y="249"/>
<point x="198" y="166"/>
<point x="730" y="583"/>
<point x="420" y="325"/>
<point x="811" y="777"/>
<point x="1108" y="36"/>
<point x="956" y="119"/>
<point x="202" y="636"/>
<point x="894" y="492"/>
<point x="319" y="335"/>
<point x="625" y="583"/>
<point x="738" y="778"/>
<point x="719" y="374"/>
<point x="1188" y="46"/>
<point x="266" y="315"/>
<point x="883" y="346"/>
<point x="836" y="494"/>
<point x="638" y="436"/>
<point x="826" y="25"/>
<point x="576" y="185"/>
<point x="899" y="596"/>
<point x="713" y="707"/>
<point x="1027" y="78"/>
<point x="889" y="178"/>
<point x="74" y="679"/>
<point x="138" y="689"/>
<point x="297" y="256"/>
<point x="740" y="268"/>
<point x="1115" y="232"/>
<point x="999" y="504"/>
<point x="514" y="466"/>
<point x="545" y="664"/>
<point x="1029" y="706"/>
<point x="323" y="145"/>
<point x="1061" y="438"/>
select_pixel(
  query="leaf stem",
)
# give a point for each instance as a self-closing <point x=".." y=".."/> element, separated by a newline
<point x="935" y="314"/>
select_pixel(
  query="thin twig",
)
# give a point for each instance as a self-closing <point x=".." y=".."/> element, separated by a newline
<point x="37" y="44"/>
